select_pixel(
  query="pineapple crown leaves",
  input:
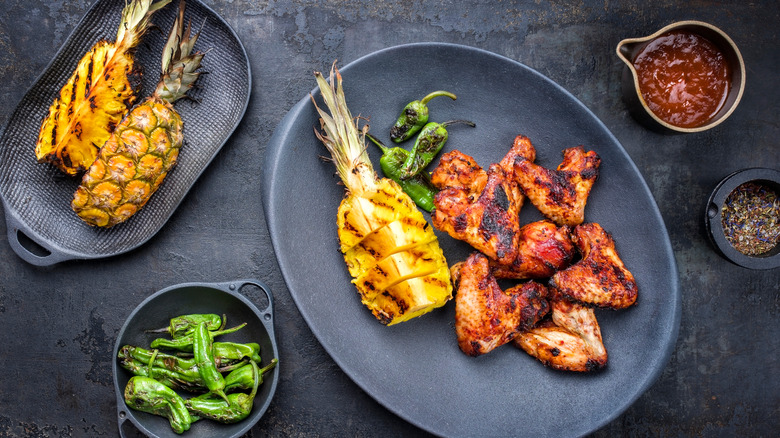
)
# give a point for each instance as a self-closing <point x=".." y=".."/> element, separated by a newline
<point x="135" y="20"/>
<point x="341" y="136"/>
<point x="179" y="64"/>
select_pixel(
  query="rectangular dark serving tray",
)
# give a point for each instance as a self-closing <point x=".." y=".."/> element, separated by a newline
<point x="36" y="197"/>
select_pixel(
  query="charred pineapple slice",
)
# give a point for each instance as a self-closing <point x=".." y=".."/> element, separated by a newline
<point x="145" y="146"/>
<point x="390" y="250"/>
<point x="96" y="97"/>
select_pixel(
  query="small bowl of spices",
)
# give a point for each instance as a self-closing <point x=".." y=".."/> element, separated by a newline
<point x="743" y="218"/>
<point x="687" y="77"/>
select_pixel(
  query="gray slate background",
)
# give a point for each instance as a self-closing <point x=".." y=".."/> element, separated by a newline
<point x="58" y="324"/>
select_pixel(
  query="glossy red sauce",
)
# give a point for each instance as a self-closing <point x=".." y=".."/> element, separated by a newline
<point x="683" y="77"/>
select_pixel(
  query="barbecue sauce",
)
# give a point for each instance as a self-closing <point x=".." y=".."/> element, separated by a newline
<point x="683" y="77"/>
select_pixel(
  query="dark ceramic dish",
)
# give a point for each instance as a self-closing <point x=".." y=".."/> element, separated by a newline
<point x="220" y="298"/>
<point x="628" y="49"/>
<point x="416" y="369"/>
<point x="36" y="198"/>
<point x="713" y="219"/>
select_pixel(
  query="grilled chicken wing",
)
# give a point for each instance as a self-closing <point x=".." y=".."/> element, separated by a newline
<point x="521" y="149"/>
<point x="459" y="171"/>
<point x="487" y="317"/>
<point x="571" y="341"/>
<point x="560" y="194"/>
<point x="600" y="278"/>
<point x="487" y="219"/>
<point x="544" y="248"/>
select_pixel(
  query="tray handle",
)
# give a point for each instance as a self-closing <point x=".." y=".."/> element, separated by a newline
<point x="31" y="249"/>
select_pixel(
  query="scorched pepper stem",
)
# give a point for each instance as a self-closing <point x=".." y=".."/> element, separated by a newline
<point x="204" y="358"/>
<point x="414" y="116"/>
<point x="419" y="187"/>
<point x="430" y="141"/>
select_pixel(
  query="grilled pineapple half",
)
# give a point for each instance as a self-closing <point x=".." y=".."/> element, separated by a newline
<point x="145" y="146"/>
<point x="390" y="250"/>
<point x="97" y="95"/>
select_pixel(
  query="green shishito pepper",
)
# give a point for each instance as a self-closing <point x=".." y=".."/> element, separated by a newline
<point x="184" y="343"/>
<point x="184" y="325"/>
<point x="148" y="395"/>
<point x="414" y="116"/>
<point x="419" y="187"/>
<point x="243" y="378"/>
<point x="236" y="407"/>
<point x="430" y="141"/>
<point x="204" y="358"/>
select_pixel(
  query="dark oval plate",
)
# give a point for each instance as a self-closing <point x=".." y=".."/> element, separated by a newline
<point x="182" y="299"/>
<point x="36" y="197"/>
<point x="416" y="369"/>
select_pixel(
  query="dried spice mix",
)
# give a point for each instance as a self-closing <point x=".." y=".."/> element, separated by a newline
<point x="751" y="218"/>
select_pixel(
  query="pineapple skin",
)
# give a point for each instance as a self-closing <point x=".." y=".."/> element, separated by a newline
<point x="131" y="165"/>
<point x="392" y="254"/>
<point x="91" y="103"/>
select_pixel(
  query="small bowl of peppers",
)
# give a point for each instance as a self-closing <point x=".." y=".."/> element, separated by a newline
<point x="197" y="358"/>
<point x="742" y="218"/>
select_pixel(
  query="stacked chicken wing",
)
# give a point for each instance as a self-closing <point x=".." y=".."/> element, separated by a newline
<point x="569" y="266"/>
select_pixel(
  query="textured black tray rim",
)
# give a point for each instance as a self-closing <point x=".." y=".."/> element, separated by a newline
<point x="231" y="288"/>
<point x="59" y="254"/>
<point x="274" y="155"/>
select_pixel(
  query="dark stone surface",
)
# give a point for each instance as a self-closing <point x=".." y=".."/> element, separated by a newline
<point x="59" y="323"/>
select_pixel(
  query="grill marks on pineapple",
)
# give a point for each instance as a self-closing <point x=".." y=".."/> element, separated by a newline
<point x="394" y="257"/>
<point x="89" y="106"/>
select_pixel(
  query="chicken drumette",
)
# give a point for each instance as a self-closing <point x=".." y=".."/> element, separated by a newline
<point x="560" y="194"/>
<point x="487" y="317"/>
<point x="600" y="278"/>
<point x="543" y="249"/>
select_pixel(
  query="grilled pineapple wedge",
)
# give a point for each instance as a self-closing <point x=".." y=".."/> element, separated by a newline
<point x="145" y="146"/>
<point x="90" y="105"/>
<point x="390" y="250"/>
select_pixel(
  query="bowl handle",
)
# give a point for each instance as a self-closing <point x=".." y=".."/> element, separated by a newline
<point x="267" y="313"/>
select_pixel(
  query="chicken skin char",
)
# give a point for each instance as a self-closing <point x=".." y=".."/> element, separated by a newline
<point x="600" y="278"/>
<point x="487" y="317"/>
<point x="560" y="194"/>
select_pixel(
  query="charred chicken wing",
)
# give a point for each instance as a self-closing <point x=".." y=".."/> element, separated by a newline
<point x="544" y="248"/>
<point x="560" y="194"/>
<point x="571" y="341"/>
<point x="487" y="317"/>
<point x="487" y="219"/>
<point x="600" y="278"/>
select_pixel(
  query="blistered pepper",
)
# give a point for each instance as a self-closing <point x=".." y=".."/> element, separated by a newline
<point x="414" y="116"/>
<point x="430" y="141"/>
<point x="170" y="378"/>
<point x="243" y="378"/>
<point x="184" y="343"/>
<point x="236" y="407"/>
<point x="419" y="187"/>
<point x="236" y="351"/>
<point x="184" y="325"/>
<point x="148" y="395"/>
<point x="204" y="359"/>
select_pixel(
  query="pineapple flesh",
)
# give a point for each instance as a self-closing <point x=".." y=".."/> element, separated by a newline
<point x="145" y="145"/>
<point x="96" y="96"/>
<point x="390" y="250"/>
